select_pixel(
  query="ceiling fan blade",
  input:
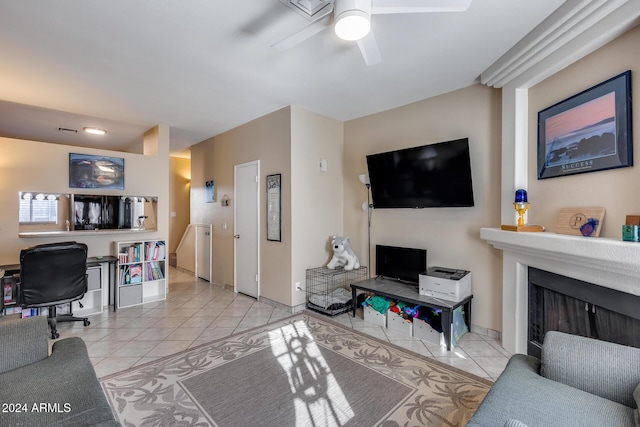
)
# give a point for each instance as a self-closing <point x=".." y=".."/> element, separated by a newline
<point x="369" y="49"/>
<point x="309" y="31"/>
<point x="418" y="6"/>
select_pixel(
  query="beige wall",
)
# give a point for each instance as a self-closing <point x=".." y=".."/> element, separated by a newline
<point x="317" y="197"/>
<point x="617" y="189"/>
<point x="290" y="142"/>
<point x="36" y="166"/>
<point x="267" y="139"/>
<point x="179" y="189"/>
<point x="450" y="235"/>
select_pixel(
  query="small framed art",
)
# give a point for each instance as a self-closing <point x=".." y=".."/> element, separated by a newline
<point x="274" y="204"/>
<point x="210" y="193"/>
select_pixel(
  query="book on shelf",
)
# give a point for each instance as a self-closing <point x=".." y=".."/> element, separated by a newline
<point x="154" y="271"/>
<point x="8" y="293"/>
<point x="155" y="251"/>
<point x="157" y="270"/>
<point x="124" y="275"/>
<point x="28" y="312"/>
<point x="134" y="253"/>
<point x="130" y="274"/>
<point x="12" y="310"/>
<point x="135" y="273"/>
<point x="159" y="273"/>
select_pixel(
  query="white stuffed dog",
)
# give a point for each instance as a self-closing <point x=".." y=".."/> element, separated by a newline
<point x="343" y="254"/>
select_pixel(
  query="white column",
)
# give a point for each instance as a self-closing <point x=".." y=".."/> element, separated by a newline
<point x="515" y="111"/>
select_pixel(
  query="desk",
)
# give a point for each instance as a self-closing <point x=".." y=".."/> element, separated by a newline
<point x="409" y="293"/>
<point x="93" y="261"/>
<point x="111" y="262"/>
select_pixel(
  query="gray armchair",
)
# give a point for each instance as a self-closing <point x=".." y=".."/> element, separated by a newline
<point x="57" y="390"/>
<point x="577" y="382"/>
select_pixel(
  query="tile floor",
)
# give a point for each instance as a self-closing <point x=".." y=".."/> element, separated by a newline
<point x="197" y="312"/>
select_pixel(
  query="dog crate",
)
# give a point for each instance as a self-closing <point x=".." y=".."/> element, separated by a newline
<point x="328" y="290"/>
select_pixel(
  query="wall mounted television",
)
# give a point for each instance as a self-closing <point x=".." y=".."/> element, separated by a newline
<point x="399" y="263"/>
<point x="430" y="176"/>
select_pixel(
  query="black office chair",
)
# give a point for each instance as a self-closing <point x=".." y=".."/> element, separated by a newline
<point x="53" y="274"/>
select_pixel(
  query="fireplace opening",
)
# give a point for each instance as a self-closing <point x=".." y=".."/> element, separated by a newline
<point x="560" y="303"/>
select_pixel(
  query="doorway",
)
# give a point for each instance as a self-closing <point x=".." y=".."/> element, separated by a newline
<point x="246" y="248"/>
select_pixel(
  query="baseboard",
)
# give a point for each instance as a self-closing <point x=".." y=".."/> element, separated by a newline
<point x="481" y="330"/>
<point x="293" y="310"/>
<point x="184" y="270"/>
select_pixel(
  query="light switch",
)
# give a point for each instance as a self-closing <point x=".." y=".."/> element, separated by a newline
<point x="323" y="165"/>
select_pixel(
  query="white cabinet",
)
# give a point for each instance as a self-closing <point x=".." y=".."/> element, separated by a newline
<point x="92" y="301"/>
<point x="141" y="272"/>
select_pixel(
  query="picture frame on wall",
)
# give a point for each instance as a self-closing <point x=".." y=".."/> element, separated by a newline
<point x="210" y="194"/>
<point x="590" y="131"/>
<point x="274" y="205"/>
<point x="89" y="171"/>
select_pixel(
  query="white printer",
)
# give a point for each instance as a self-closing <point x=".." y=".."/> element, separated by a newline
<point x="446" y="283"/>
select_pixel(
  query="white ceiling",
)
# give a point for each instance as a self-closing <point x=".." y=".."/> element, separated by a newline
<point x="206" y="66"/>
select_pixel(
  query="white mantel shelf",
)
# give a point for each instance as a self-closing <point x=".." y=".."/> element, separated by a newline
<point x="607" y="262"/>
<point x="610" y="263"/>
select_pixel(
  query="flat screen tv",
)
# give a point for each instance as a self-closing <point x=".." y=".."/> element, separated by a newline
<point x="430" y="176"/>
<point x="399" y="263"/>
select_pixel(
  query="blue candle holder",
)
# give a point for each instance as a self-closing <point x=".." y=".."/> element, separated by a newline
<point x="521" y="205"/>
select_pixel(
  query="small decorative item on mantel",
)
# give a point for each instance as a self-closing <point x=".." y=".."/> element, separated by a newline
<point x="580" y="221"/>
<point x="521" y="205"/>
<point x="631" y="229"/>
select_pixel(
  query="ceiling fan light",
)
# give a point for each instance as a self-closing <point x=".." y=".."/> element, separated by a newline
<point x="94" y="131"/>
<point x="352" y="25"/>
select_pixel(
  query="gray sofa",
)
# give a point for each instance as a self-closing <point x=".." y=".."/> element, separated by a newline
<point x="578" y="382"/>
<point x="41" y="390"/>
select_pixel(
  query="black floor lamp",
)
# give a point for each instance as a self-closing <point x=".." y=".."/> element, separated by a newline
<point x="368" y="208"/>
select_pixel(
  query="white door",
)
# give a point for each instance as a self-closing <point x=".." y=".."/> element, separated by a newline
<point x="247" y="228"/>
<point x="203" y="252"/>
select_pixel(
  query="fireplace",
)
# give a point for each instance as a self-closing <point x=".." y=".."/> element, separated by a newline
<point x="607" y="263"/>
<point x="560" y="303"/>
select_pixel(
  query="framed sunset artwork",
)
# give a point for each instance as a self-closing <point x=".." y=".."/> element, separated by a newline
<point x="590" y="131"/>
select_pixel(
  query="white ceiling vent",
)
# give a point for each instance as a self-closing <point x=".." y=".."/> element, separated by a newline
<point x="67" y="130"/>
<point x="308" y="8"/>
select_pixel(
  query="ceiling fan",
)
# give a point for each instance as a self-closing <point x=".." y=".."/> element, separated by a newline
<point x="351" y="19"/>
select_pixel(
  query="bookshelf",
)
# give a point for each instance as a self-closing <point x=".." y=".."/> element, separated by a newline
<point x="141" y="272"/>
<point x="10" y="296"/>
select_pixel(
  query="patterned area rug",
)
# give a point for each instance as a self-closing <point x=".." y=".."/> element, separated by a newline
<point x="304" y="370"/>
